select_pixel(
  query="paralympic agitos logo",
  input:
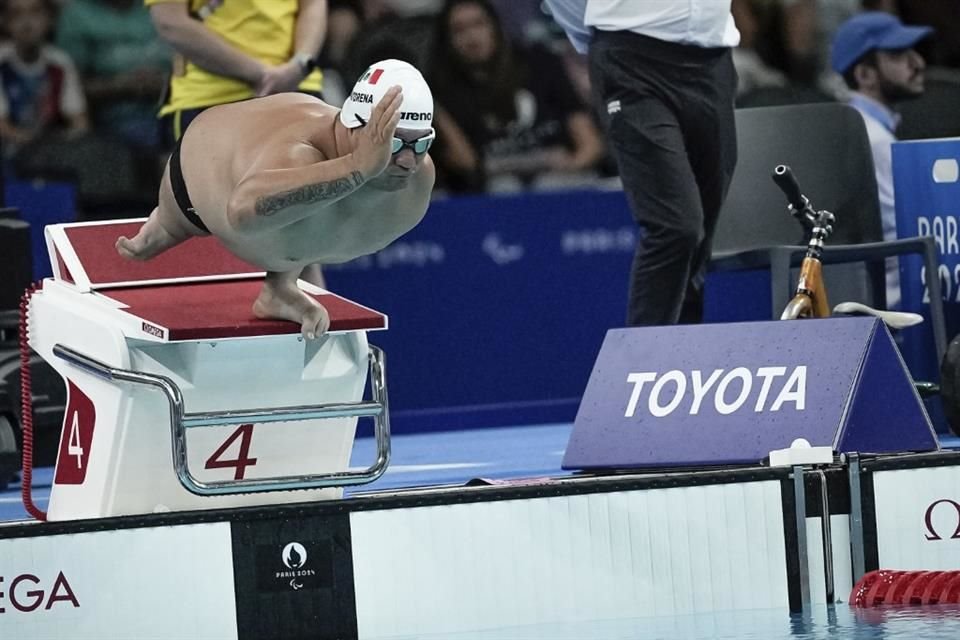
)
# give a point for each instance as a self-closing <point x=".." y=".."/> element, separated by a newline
<point x="934" y="532"/>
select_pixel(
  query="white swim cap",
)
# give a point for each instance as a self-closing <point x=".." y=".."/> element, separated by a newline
<point x="416" y="110"/>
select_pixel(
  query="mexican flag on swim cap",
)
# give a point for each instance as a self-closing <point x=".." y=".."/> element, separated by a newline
<point x="416" y="110"/>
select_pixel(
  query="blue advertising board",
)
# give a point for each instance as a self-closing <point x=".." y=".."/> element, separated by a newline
<point x="926" y="178"/>
<point x="731" y="393"/>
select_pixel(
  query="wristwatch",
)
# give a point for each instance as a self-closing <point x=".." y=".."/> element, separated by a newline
<point x="306" y="61"/>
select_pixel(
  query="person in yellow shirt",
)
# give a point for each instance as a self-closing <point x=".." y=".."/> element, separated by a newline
<point x="231" y="51"/>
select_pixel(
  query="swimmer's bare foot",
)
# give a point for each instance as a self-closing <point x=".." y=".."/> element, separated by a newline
<point x="130" y="249"/>
<point x="285" y="300"/>
<point x="152" y="239"/>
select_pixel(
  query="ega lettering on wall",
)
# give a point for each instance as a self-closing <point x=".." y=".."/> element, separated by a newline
<point x="28" y="593"/>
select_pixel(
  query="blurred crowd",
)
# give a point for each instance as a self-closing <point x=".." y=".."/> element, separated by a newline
<point x="82" y="83"/>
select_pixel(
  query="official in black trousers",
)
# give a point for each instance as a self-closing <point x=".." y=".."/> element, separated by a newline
<point x="664" y="82"/>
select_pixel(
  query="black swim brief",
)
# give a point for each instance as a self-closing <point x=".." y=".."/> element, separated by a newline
<point x="180" y="190"/>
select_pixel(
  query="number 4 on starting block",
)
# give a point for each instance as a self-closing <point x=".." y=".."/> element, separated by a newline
<point x="80" y="419"/>
<point x="243" y="460"/>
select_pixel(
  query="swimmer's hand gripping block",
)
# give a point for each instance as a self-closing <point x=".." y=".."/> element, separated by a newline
<point x="706" y="395"/>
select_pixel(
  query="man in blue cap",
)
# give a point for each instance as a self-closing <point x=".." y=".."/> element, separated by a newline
<point x="874" y="52"/>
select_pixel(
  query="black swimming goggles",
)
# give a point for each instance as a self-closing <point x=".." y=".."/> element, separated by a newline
<point x="418" y="146"/>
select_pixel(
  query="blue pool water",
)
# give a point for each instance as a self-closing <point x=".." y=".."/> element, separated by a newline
<point x="840" y="621"/>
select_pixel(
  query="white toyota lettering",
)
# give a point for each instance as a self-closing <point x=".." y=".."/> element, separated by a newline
<point x="731" y="390"/>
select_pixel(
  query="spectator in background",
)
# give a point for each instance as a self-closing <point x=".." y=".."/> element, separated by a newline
<point x="344" y="21"/>
<point x="375" y="10"/>
<point x="943" y="48"/>
<point x="874" y="52"/>
<point x="40" y="90"/>
<point x="503" y="115"/>
<point x="122" y="62"/>
<point x="361" y="32"/>
<point x="808" y="30"/>
<point x="386" y="33"/>
<point x="519" y="18"/>
<point x="752" y="71"/>
<point x="230" y="51"/>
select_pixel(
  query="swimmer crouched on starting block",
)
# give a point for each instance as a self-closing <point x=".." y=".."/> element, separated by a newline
<point x="287" y="180"/>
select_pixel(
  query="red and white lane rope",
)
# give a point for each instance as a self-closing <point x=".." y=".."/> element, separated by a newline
<point x="906" y="587"/>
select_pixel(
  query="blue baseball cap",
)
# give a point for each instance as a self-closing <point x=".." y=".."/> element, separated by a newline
<point x="868" y="31"/>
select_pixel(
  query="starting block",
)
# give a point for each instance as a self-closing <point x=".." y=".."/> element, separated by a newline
<point x="178" y="398"/>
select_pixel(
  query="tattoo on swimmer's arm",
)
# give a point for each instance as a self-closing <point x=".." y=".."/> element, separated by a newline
<point x="309" y="194"/>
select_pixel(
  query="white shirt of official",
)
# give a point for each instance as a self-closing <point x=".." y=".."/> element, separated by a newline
<point x="705" y="23"/>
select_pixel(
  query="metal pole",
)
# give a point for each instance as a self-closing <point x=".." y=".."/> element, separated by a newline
<point x="827" y="537"/>
<point x="856" y="517"/>
<point x="800" y="497"/>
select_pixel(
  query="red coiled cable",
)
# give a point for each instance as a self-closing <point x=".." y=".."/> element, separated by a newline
<point x="906" y="587"/>
<point x="26" y="406"/>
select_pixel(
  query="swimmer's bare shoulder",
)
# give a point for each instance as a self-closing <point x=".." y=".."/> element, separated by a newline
<point x="307" y="139"/>
<point x="253" y="129"/>
<point x="265" y="111"/>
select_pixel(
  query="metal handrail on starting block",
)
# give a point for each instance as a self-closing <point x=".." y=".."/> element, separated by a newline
<point x="181" y="421"/>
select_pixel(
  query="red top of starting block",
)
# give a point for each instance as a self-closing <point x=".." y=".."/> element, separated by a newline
<point x="210" y="310"/>
<point x="84" y="254"/>
<point x="195" y="291"/>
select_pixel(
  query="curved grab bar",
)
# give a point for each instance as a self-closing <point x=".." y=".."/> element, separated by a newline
<point x="180" y="421"/>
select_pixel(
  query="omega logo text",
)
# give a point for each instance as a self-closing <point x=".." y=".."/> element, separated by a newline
<point x="766" y="389"/>
<point x="26" y="593"/>
<point x="928" y="520"/>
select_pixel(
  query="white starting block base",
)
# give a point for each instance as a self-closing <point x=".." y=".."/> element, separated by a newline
<point x="115" y="454"/>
